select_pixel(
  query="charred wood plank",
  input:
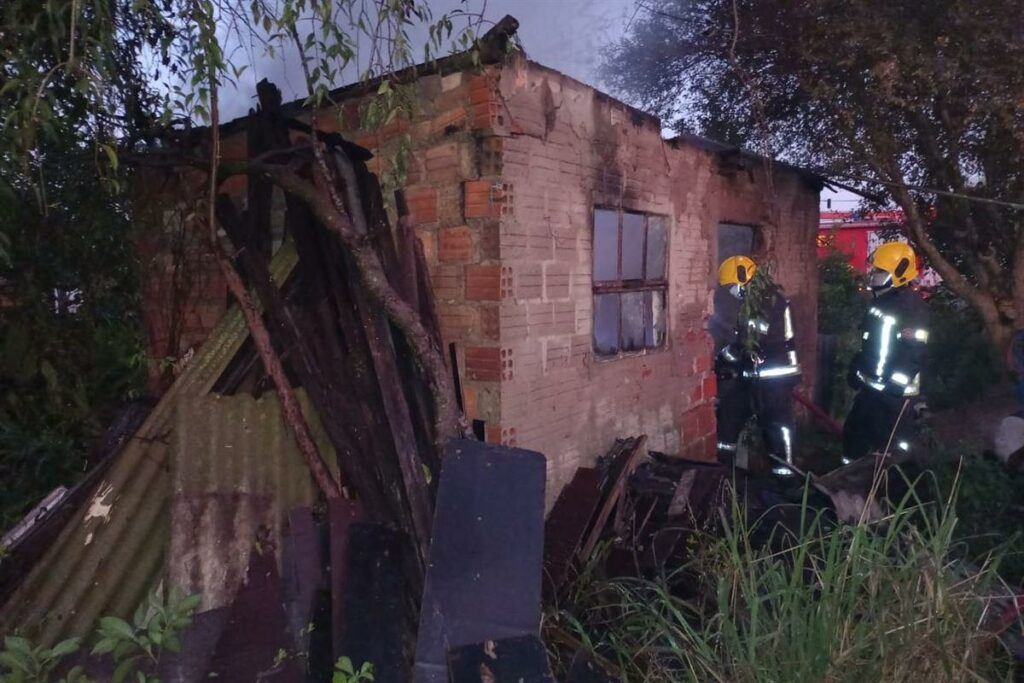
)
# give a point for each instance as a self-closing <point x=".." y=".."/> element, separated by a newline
<point x="303" y="572"/>
<point x="342" y="516"/>
<point x="256" y="629"/>
<point x="620" y="469"/>
<point x="567" y="526"/>
<point x="375" y="602"/>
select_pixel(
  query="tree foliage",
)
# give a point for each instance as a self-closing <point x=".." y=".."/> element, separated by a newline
<point x="70" y="88"/>
<point x="899" y="98"/>
<point x="90" y="89"/>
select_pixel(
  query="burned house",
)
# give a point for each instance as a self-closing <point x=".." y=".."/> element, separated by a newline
<point x="572" y="250"/>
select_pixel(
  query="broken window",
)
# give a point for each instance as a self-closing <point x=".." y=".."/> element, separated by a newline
<point x="630" y="282"/>
<point x="734" y="240"/>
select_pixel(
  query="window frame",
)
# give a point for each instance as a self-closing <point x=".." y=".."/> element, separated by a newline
<point x="620" y="285"/>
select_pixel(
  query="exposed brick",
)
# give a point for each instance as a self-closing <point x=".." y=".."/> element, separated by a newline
<point x="455" y="245"/>
<point x="483" y="283"/>
<point x="702" y="363"/>
<point x="470" y="401"/>
<point x="429" y="241"/>
<point x="448" y="122"/>
<point x="422" y="202"/>
<point x="489" y="151"/>
<point x="482" y="199"/>
<point x="458" y="322"/>
<point x="483" y="363"/>
<point x="442" y="163"/>
<point x="490" y="325"/>
<point x="490" y="240"/>
<point x="710" y="387"/>
<point x="492" y="433"/>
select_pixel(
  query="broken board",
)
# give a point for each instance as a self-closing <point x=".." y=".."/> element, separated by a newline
<point x="566" y="526"/>
<point x="483" y="577"/>
<point x="374" y="601"/>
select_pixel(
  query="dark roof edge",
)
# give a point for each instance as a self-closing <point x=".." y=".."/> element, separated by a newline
<point x="600" y="94"/>
<point x="492" y="48"/>
<point x="723" y="149"/>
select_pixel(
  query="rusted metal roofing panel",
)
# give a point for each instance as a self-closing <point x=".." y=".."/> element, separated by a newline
<point x="113" y="550"/>
<point x="235" y="469"/>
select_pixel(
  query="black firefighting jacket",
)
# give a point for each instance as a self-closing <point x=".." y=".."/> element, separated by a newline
<point x="763" y="346"/>
<point x="894" y="336"/>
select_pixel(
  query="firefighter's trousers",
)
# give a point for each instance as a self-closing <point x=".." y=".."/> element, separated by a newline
<point x="771" y="400"/>
<point x="872" y="425"/>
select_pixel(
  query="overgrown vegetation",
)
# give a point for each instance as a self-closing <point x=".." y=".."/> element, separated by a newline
<point x="916" y="102"/>
<point x="135" y="648"/>
<point x="841" y="306"/>
<point x="842" y="603"/>
<point x="70" y="347"/>
<point x="961" y="363"/>
<point x="87" y="87"/>
<point x="989" y="507"/>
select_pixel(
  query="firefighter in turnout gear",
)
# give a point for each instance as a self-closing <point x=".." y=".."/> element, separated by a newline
<point x="887" y="371"/>
<point x="755" y="363"/>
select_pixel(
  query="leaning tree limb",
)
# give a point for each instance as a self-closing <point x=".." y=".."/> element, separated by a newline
<point x="260" y="335"/>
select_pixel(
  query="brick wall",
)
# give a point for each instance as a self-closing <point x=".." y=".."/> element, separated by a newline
<point x="567" y="149"/>
<point x="506" y="167"/>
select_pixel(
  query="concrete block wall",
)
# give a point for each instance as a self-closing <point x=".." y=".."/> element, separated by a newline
<point x="568" y="149"/>
<point x="506" y="167"/>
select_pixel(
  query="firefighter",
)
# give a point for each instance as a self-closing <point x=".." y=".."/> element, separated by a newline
<point x="755" y="363"/>
<point x="887" y="371"/>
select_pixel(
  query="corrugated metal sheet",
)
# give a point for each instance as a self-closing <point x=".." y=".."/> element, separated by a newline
<point x="113" y="550"/>
<point x="235" y="469"/>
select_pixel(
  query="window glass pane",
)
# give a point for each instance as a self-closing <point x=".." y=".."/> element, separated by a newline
<point x="633" y="246"/>
<point x="734" y="240"/>
<point x="606" y="324"/>
<point x="633" y="321"/>
<point x="656" y="234"/>
<point x="654" y="323"/>
<point x="606" y="245"/>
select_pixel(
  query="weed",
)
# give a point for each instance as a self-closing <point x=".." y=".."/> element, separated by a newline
<point x="839" y="604"/>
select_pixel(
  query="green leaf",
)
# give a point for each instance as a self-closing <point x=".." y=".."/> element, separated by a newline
<point x="344" y="664"/>
<point x="14" y="661"/>
<point x="117" y="627"/>
<point x="384" y="87"/>
<point x="105" y="645"/>
<point x="172" y="644"/>
<point x="64" y="648"/>
<point x="111" y="155"/>
<point x="123" y="670"/>
<point x="18" y="644"/>
<point x="190" y="603"/>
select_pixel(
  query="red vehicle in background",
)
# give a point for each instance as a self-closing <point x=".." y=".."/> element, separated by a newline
<point x="857" y="234"/>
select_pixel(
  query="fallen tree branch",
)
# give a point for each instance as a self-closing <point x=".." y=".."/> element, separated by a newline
<point x="260" y="335"/>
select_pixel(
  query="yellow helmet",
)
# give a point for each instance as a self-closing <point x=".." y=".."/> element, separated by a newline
<point x="736" y="270"/>
<point x="896" y="259"/>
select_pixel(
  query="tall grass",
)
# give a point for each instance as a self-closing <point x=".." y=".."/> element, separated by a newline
<point x="837" y="604"/>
